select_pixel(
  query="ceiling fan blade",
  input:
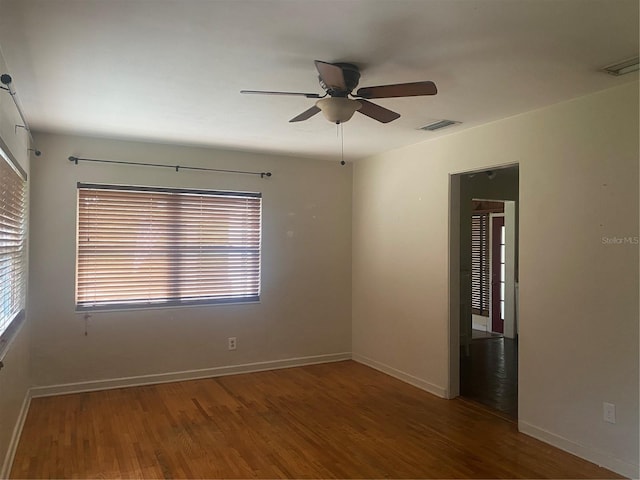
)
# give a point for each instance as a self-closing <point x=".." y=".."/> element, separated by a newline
<point x="266" y="92"/>
<point x="331" y="75"/>
<point x="398" y="90"/>
<point x="305" y="115"/>
<point x="377" y="112"/>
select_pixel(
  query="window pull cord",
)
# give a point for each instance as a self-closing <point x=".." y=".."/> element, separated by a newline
<point x="86" y="324"/>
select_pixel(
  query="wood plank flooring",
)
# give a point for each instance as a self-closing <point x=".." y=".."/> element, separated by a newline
<point x="489" y="375"/>
<point x="337" y="420"/>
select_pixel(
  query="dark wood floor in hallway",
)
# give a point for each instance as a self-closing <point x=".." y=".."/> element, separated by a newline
<point x="489" y="374"/>
<point x="337" y="420"/>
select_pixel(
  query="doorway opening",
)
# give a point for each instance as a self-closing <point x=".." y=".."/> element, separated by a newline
<point x="484" y="273"/>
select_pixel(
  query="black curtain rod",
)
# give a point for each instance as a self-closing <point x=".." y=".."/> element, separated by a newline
<point x="176" y="167"/>
<point x="6" y="80"/>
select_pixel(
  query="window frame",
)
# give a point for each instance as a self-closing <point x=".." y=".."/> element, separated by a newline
<point x="168" y="301"/>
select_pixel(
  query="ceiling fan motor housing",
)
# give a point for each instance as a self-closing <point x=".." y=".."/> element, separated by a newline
<point x="351" y="75"/>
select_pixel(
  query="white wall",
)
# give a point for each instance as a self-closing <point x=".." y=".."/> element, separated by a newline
<point x="478" y="322"/>
<point x="578" y="297"/>
<point x="305" y="309"/>
<point x="14" y="376"/>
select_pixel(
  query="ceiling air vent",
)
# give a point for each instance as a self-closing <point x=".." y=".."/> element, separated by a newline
<point x="439" y="124"/>
<point x="621" y="68"/>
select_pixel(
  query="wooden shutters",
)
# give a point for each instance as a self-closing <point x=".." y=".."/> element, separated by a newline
<point x="480" y="273"/>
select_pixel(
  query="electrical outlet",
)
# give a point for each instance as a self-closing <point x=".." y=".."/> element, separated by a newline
<point x="609" y="412"/>
<point x="232" y="343"/>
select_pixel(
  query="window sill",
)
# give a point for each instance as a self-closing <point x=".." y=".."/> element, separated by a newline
<point x="131" y="308"/>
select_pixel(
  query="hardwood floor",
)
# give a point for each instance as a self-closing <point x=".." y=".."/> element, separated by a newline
<point x="489" y="375"/>
<point x="337" y="420"/>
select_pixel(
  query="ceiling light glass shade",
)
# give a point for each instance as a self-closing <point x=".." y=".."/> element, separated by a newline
<point x="338" y="109"/>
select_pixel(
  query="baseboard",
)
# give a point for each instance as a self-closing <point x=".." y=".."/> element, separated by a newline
<point x="590" y="454"/>
<point x="400" y="375"/>
<point x="15" y="436"/>
<point x="107" y="384"/>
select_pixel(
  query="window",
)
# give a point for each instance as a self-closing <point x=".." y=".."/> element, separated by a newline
<point x="13" y="277"/>
<point x="144" y="247"/>
<point x="480" y="287"/>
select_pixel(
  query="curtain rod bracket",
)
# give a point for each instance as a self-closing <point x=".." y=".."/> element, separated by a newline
<point x="6" y="80"/>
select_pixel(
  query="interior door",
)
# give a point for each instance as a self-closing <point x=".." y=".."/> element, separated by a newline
<point x="497" y="273"/>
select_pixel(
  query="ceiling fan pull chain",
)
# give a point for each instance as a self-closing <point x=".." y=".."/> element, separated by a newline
<point x="342" y="162"/>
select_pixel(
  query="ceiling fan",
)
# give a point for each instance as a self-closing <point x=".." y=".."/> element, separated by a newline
<point x="339" y="80"/>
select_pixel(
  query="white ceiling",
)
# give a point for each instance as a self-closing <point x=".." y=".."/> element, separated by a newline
<point x="171" y="70"/>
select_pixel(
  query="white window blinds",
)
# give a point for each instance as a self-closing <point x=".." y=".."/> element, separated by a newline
<point x="144" y="246"/>
<point x="13" y="276"/>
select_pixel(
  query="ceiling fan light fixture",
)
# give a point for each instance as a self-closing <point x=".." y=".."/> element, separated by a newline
<point x="338" y="109"/>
